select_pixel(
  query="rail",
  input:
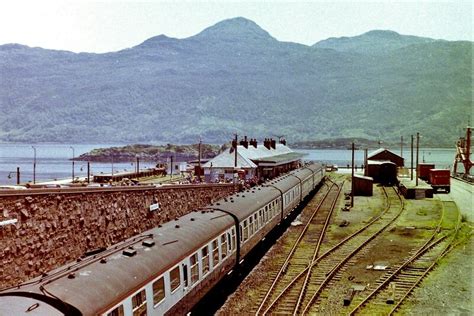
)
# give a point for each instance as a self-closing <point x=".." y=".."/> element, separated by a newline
<point x="285" y="264"/>
<point x="428" y="245"/>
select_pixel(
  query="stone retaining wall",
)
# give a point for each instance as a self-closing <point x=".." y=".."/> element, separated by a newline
<point x="58" y="226"/>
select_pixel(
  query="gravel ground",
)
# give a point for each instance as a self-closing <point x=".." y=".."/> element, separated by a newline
<point x="448" y="290"/>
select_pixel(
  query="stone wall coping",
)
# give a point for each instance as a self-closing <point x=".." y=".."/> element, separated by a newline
<point x="80" y="190"/>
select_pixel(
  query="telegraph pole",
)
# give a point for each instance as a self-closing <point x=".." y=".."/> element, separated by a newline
<point x="411" y="160"/>
<point x="34" y="164"/>
<point x="352" y="181"/>
<point x="199" y="159"/>
<point x="417" y="154"/>
<point x="235" y="154"/>
<point x="401" y="147"/>
<point x="73" y="155"/>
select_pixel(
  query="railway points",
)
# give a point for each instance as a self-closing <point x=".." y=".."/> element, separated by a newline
<point x="399" y="230"/>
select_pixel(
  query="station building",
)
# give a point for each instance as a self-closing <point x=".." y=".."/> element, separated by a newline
<point x="383" y="165"/>
<point x="257" y="161"/>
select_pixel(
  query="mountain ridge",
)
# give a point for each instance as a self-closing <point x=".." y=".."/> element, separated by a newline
<point x="168" y="89"/>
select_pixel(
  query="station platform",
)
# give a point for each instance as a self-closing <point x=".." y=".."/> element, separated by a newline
<point x="410" y="190"/>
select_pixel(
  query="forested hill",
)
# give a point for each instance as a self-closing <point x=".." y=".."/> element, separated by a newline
<point x="234" y="77"/>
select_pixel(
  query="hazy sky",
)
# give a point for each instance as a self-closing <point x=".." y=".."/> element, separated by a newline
<point x="108" y="25"/>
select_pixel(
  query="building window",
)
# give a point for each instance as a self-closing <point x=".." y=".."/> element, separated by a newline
<point x="175" y="278"/>
<point x="139" y="303"/>
<point x="158" y="290"/>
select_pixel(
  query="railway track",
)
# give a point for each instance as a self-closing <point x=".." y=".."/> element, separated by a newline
<point x="394" y="287"/>
<point x="304" y="250"/>
<point x="309" y="283"/>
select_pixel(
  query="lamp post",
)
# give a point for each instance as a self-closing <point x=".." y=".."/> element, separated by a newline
<point x="34" y="164"/>
<point x="199" y="159"/>
<point x="73" y="155"/>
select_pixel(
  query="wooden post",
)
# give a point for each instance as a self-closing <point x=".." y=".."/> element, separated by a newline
<point x="352" y="180"/>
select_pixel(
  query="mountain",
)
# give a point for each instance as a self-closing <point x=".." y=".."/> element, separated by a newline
<point x="372" y="42"/>
<point x="234" y="77"/>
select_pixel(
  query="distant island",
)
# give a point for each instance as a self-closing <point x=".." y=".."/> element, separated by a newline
<point x="150" y="153"/>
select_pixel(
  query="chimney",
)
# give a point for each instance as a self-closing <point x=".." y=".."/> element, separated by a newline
<point x="267" y="143"/>
<point x="273" y="143"/>
<point x="244" y="142"/>
<point x="234" y="143"/>
<point x="253" y="142"/>
<point x="283" y="141"/>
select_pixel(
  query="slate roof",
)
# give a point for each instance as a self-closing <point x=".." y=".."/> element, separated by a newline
<point x="246" y="157"/>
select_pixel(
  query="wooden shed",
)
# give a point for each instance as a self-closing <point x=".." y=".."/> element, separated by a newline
<point x="383" y="154"/>
<point x="363" y="185"/>
<point x="384" y="172"/>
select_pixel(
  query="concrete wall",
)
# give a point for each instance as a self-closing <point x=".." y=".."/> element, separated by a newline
<point x="58" y="226"/>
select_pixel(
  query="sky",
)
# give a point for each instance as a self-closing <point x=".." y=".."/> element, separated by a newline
<point x="110" y="25"/>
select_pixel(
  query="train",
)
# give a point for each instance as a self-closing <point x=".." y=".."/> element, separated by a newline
<point x="168" y="269"/>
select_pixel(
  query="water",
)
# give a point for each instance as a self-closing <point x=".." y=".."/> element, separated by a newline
<point x="52" y="160"/>
<point x="441" y="157"/>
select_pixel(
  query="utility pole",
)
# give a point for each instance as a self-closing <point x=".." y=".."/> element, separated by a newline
<point x="88" y="172"/>
<point x="411" y="160"/>
<point x="352" y="181"/>
<point x="171" y="171"/>
<point x="34" y="164"/>
<point x="401" y="146"/>
<point x="17" y="175"/>
<point x="235" y="154"/>
<point x="417" y="154"/>
<point x="366" y="163"/>
<point x="199" y="159"/>
<point x="235" y="158"/>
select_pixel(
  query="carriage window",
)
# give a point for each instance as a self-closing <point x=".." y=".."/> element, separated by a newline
<point x="118" y="311"/>
<point x="215" y="253"/>
<point x="223" y="246"/>
<point x="185" y="275"/>
<point x="175" y="278"/>
<point x="139" y="303"/>
<point x="229" y="242"/>
<point x="255" y="220"/>
<point x="241" y="233"/>
<point x="233" y="238"/>
<point x="250" y="225"/>
<point x="205" y="260"/>
<point x="260" y="216"/>
<point x="194" y="268"/>
<point x="246" y="231"/>
<point x="158" y="290"/>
